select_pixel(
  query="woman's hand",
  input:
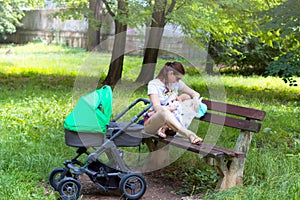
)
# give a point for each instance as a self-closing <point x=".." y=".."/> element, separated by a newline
<point x="178" y="98"/>
<point x="195" y="104"/>
<point x="172" y="108"/>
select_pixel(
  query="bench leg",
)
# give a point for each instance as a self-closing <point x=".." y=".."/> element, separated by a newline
<point x="228" y="171"/>
<point x="242" y="145"/>
<point x="158" y="157"/>
<point x="231" y="170"/>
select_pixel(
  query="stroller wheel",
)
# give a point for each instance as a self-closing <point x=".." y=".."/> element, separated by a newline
<point x="69" y="189"/>
<point x="58" y="174"/>
<point x="132" y="186"/>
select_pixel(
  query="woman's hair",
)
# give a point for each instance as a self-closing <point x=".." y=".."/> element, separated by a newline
<point x="176" y="67"/>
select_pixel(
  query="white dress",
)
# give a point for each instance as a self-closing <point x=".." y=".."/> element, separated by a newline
<point x="184" y="112"/>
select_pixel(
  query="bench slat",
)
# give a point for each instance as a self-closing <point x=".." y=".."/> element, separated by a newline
<point x="185" y="144"/>
<point x="230" y="152"/>
<point x="250" y="113"/>
<point x="203" y="148"/>
<point x="231" y="122"/>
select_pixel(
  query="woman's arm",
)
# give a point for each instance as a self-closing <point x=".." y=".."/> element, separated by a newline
<point x="193" y="94"/>
<point x="156" y="103"/>
<point x="186" y="89"/>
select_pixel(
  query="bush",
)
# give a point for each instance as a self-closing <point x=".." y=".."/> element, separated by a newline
<point x="286" y="66"/>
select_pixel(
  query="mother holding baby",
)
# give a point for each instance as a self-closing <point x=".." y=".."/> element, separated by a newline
<point x="164" y="93"/>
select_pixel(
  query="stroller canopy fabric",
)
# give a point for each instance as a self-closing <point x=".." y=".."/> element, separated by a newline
<point x="92" y="112"/>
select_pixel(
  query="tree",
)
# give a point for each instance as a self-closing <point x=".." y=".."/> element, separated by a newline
<point x="125" y="13"/>
<point x="158" y="22"/>
<point x="119" y="10"/>
<point x="89" y="9"/>
<point x="283" y="28"/>
<point x="95" y="7"/>
<point x="223" y="21"/>
<point x="117" y="58"/>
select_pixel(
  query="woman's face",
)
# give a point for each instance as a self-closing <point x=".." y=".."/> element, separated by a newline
<point x="174" y="77"/>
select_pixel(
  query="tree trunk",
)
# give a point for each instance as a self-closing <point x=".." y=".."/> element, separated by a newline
<point x="152" y="45"/>
<point x="150" y="55"/>
<point x="94" y="24"/>
<point x="209" y="61"/>
<point x="116" y="65"/>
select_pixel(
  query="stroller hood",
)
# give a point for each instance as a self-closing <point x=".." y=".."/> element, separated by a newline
<point x="92" y="112"/>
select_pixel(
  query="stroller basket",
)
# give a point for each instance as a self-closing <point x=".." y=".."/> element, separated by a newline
<point x="130" y="137"/>
<point x="81" y="139"/>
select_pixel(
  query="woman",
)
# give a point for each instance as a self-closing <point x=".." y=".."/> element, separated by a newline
<point x="162" y="92"/>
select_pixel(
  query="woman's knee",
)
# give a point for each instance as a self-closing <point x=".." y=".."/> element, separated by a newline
<point x="164" y="113"/>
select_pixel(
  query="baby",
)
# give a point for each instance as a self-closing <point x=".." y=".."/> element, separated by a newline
<point x="177" y="111"/>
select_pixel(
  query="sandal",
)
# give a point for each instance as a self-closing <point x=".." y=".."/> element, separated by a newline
<point x="195" y="139"/>
<point x="161" y="133"/>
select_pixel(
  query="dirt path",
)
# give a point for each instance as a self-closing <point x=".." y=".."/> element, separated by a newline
<point x="159" y="187"/>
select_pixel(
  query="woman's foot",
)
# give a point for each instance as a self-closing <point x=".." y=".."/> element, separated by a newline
<point x="195" y="139"/>
<point x="161" y="132"/>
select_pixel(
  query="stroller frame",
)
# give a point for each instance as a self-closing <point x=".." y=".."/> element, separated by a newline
<point x="132" y="185"/>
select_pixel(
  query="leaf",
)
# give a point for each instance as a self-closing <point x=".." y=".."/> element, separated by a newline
<point x="271" y="43"/>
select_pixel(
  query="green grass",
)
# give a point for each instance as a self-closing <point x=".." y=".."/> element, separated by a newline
<point x="37" y="84"/>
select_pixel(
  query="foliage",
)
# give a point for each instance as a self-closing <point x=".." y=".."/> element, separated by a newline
<point x="286" y="66"/>
<point x="76" y="9"/>
<point x="283" y="24"/>
<point x="250" y="55"/>
<point x="73" y="9"/>
<point x="220" y="19"/>
<point x="10" y="15"/>
<point x="283" y="27"/>
<point x="235" y="26"/>
<point x="195" y="180"/>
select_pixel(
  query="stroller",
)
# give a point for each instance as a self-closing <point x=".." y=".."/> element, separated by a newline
<point x="85" y="132"/>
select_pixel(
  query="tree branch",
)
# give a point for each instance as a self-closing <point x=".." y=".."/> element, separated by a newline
<point x="171" y="7"/>
<point x="109" y="8"/>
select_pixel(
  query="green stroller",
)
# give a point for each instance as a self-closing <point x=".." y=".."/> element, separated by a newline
<point x="89" y="126"/>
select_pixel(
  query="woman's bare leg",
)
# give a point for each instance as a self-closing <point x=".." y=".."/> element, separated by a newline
<point x="165" y="117"/>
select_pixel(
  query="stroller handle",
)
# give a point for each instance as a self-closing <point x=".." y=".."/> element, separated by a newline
<point x="145" y="101"/>
<point x="108" y="143"/>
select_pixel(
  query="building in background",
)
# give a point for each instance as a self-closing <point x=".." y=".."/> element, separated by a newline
<point x="41" y="25"/>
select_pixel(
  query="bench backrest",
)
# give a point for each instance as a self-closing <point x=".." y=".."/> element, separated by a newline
<point x="233" y="116"/>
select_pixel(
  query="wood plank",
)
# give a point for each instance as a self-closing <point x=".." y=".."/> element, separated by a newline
<point x="204" y="149"/>
<point x="230" y="152"/>
<point x="231" y="122"/>
<point x="250" y="113"/>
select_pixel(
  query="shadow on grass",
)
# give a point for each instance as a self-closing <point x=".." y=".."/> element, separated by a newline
<point x="55" y="82"/>
<point x="36" y="80"/>
<point x="234" y="93"/>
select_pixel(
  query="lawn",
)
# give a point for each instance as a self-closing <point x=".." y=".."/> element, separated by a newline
<point x="40" y="84"/>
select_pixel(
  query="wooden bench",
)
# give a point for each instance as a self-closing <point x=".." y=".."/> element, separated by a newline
<point x="229" y="163"/>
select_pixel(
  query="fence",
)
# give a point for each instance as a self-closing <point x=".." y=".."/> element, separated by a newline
<point x="41" y="25"/>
